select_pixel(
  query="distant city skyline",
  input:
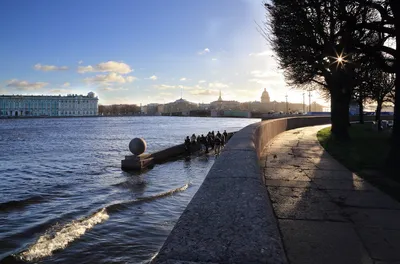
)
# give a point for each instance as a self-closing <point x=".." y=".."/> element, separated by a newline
<point x="140" y="52"/>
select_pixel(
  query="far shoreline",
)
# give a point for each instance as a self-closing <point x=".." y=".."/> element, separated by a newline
<point x="101" y="116"/>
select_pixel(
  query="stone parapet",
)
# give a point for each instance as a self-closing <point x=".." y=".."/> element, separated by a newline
<point x="230" y="219"/>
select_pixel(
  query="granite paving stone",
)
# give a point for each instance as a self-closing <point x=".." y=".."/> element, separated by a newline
<point x="343" y="185"/>
<point x="367" y="217"/>
<point x="332" y="175"/>
<point x="289" y="162"/>
<point x="383" y="244"/>
<point x="363" y="199"/>
<point x="327" y="214"/>
<point x="311" y="242"/>
<point x="327" y="164"/>
<point x="303" y="203"/>
<point x="289" y="183"/>
<point x="295" y="174"/>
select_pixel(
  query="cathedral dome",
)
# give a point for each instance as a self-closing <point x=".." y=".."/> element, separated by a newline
<point x="265" y="96"/>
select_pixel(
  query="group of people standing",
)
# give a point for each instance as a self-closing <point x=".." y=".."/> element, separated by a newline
<point x="211" y="140"/>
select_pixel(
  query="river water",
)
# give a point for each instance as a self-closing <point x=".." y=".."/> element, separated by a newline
<point x="64" y="198"/>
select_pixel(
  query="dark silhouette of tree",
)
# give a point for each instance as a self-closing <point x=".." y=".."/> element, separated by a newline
<point x="122" y="109"/>
<point x="101" y="109"/>
<point x="385" y="51"/>
<point x="382" y="85"/>
<point x="315" y="45"/>
<point x="306" y="32"/>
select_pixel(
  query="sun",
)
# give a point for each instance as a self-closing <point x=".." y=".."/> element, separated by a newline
<point x="339" y="59"/>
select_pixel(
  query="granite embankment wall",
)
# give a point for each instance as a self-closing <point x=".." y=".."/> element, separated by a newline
<point x="230" y="218"/>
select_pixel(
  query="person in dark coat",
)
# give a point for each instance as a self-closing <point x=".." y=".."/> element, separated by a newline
<point x="187" y="145"/>
<point x="225" y="135"/>
<point x="222" y="140"/>
<point x="203" y="142"/>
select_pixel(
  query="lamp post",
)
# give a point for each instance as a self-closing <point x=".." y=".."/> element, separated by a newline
<point x="287" y="105"/>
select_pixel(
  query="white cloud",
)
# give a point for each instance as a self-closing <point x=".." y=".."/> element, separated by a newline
<point x="184" y="87"/>
<point x="131" y="78"/>
<point x="182" y="79"/>
<point x="259" y="81"/>
<point x="66" y="84"/>
<point x="214" y="59"/>
<point x="268" y="81"/>
<point x="83" y="69"/>
<point x="80" y="62"/>
<point x="204" y="92"/>
<point x="202" y="81"/>
<point x="166" y="94"/>
<point x="60" y="91"/>
<point x="153" y="78"/>
<point x="266" y="77"/>
<point x="170" y="87"/>
<point x="109" y="66"/>
<point x="112" y="89"/>
<point x="259" y="74"/>
<point x="112" y="77"/>
<point x="204" y="51"/>
<point x="25" y="85"/>
<point x="165" y="86"/>
<point x="218" y="85"/>
<point x="264" y="53"/>
<point x="40" y="67"/>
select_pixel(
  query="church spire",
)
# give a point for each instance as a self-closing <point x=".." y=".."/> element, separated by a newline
<point x="220" y="97"/>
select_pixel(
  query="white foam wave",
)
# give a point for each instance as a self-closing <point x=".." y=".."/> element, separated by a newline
<point x="56" y="240"/>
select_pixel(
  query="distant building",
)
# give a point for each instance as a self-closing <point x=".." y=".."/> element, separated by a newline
<point x="265" y="97"/>
<point x="203" y="106"/>
<point x="151" y="109"/>
<point x="266" y="106"/>
<point x="46" y="105"/>
<point x="180" y="105"/>
<point x="224" y="105"/>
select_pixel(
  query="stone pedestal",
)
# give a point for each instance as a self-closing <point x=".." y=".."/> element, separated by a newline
<point x="137" y="163"/>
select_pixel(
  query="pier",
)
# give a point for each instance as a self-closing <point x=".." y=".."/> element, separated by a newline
<point x="148" y="160"/>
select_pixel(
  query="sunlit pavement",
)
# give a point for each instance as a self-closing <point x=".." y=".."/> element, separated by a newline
<point x="326" y="213"/>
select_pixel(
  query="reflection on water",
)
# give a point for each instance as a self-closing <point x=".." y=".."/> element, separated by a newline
<point x="64" y="198"/>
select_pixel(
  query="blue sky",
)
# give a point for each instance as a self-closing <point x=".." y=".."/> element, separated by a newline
<point x="138" y="51"/>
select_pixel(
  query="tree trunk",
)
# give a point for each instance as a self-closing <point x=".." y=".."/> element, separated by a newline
<point x="361" y="109"/>
<point x="340" y="102"/>
<point x="378" y="114"/>
<point x="393" y="162"/>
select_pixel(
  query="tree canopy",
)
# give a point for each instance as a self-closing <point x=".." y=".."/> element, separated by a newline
<point x="348" y="47"/>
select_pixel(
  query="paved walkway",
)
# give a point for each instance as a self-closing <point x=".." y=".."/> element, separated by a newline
<point x="327" y="214"/>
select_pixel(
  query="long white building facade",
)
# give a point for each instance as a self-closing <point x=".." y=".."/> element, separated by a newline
<point x="43" y="105"/>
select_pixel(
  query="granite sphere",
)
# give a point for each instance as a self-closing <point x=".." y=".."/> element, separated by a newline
<point x="137" y="146"/>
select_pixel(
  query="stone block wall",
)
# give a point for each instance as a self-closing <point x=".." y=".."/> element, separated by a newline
<point x="230" y="219"/>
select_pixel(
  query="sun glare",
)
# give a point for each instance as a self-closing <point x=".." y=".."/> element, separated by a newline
<point x="339" y="59"/>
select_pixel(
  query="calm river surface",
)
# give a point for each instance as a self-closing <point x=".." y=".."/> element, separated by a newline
<point x="64" y="198"/>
